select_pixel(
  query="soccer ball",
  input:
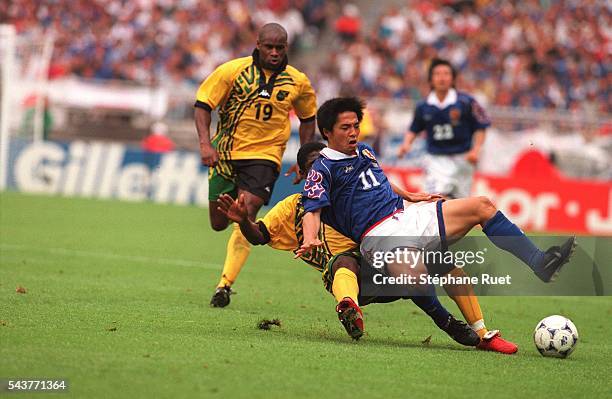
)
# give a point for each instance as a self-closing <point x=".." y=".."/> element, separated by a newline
<point x="555" y="336"/>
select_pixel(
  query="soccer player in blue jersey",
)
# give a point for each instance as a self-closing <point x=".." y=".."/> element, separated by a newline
<point x="347" y="189"/>
<point x="455" y="126"/>
<point x="339" y="262"/>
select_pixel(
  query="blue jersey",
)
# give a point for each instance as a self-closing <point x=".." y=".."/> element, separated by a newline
<point x="451" y="124"/>
<point x="352" y="192"/>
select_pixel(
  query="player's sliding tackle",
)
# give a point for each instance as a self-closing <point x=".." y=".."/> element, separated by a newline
<point x="339" y="264"/>
<point x="347" y="189"/>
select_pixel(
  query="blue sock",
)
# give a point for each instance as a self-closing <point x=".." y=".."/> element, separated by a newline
<point x="507" y="236"/>
<point x="432" y="306"/>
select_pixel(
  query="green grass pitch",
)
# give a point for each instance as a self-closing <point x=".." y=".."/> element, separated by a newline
<point x="117" y="303"/>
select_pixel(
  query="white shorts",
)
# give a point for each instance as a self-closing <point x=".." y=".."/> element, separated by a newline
<point x="416" y="226"/>
<point x="448" y="174"/>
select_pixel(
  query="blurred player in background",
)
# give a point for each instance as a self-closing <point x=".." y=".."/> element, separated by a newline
<point x="455" y="125"/>
<point x="255" y="95"/>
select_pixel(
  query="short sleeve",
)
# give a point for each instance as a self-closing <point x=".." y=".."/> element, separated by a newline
<point x="478" y="117"/>
<point x="316" y="189"/>
<point x="215" y="88"/>
<point x="306" y="103"/>
<point x="279" y="222"/>
<point x="418" y="123"/>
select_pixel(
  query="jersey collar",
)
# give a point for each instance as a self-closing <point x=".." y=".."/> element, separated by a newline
<point x="335" y="155"/>
<point x="451" y="98"/>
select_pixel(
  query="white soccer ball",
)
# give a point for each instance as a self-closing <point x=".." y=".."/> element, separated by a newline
<point x="555" y="336"/>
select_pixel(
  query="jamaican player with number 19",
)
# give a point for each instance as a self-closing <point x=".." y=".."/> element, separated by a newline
<point x="254" y="96"/>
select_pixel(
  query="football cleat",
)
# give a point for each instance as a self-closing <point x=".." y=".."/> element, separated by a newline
<point x="351" y="317"/>
<point x="492" y="341"/>
<point x="221" y="297"/>
<point x="460" y="332"/>
<point x="554" y="258"/>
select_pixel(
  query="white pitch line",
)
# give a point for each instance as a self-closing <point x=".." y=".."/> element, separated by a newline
<point x="104" y="255"/>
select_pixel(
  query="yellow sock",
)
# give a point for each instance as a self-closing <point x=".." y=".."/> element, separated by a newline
<point x="467" y="302"/>
<point x="345" y="285"/>
<point x="238" y="249"/>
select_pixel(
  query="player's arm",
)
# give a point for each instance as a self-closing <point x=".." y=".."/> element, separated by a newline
<point x="210" y="94"/>
<point x="209" y="155"/>
<point x="480" y="122"/>
<point x="477" y="142"/>
<point x="406" y="146"/>
<point x="236" y="211"/>
<point x="315" y="197"/>
<point x="311" y="225"/>
<point x="415" y="197"/>
<point x="306" y="108"/>
<point x="416" y="127"/>
<point x="307" y="130"/>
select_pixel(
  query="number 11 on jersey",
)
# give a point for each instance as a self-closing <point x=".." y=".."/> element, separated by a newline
<point x="364" y="181"/>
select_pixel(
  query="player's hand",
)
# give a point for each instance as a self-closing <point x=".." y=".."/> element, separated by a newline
<point x="236" y="211"/>
<point x="472" y="157"/>
<point x="209" y="155"/>
<point x="404" y="149"/>
<point x="422" y="197"/>
<point x="294" y="169"/>
<point x="306" y="247"/>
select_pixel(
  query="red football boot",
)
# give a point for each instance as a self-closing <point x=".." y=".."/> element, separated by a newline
<point x="351" y="317"/>
<point x="492" y="341"/>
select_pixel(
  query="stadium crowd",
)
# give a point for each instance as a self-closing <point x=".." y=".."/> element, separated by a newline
<point x="532" y="53"/>
<point x="155" y="40"/>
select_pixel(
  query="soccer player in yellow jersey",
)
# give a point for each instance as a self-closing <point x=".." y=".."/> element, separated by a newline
<point x="339" y="260"/>
<point x="254" y="96"/>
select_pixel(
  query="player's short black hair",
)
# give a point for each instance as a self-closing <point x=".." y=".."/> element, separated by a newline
<point x="327" y="115"/>
<point x="305" y="151"/>
<point x="440" y="61"/>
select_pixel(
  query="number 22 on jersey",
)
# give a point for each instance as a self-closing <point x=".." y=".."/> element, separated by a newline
<point x="443" y="132"/>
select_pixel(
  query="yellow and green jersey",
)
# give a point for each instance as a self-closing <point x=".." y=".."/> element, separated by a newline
<point x="284" y="225"/>
<point x="253" y="110"/>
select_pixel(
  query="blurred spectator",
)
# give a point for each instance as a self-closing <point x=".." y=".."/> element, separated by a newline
<point x="531" y="53"/>
<point x="158" y="141"/>
<point x="149" y="41"/>
<point x="348" y="25"/>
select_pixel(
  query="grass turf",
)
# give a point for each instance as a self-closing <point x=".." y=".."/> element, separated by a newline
<point x="117" y="302"/>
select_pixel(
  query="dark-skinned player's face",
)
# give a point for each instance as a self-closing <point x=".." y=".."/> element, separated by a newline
<point x="272" y="49"/>
<point x="442" y="78"/>
<point x="344" y="134"/>
<point x="310" y="159"/>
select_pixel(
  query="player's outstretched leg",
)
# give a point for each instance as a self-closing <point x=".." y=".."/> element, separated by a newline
<point x="345" y="287"/>
<point x="424" y="296"/>
<point x="468" y="304"/>
<point x="238" y="250"/>
<point x="456" y="329"/>
<point x="461" y="215"/>
<point x="351" y="317"/>
<point x="492" y="341"/>
<point x="221" y="297"/>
